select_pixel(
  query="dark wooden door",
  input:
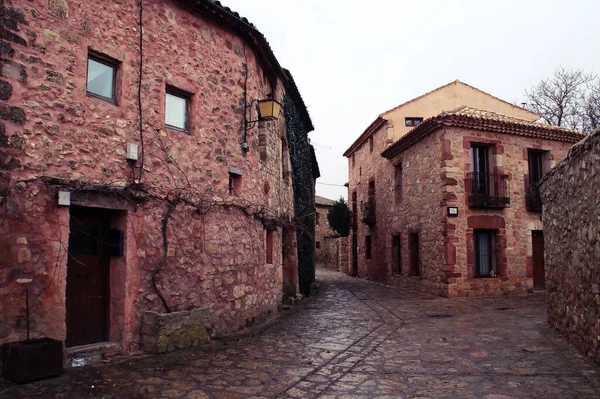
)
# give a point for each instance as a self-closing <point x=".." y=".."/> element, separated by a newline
<point x="397" y="254"/>
<point x="415" y="261"/>
<point x="354" y="255"/>
<point x="539" y="274"/>
<point x="87" y="277"/>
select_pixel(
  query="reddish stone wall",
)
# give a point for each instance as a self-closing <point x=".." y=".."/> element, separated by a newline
<point x="344" y="254"/>
<point x="572" y="241"/>
<point x="326" y="252"/>
<point x="418" y="211"/>
<point x="434" y="172"/>
<point x="514" y="224"/>
<point x="216" y="252"/>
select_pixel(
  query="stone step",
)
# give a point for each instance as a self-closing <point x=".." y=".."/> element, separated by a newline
<point x="78" y="356"/>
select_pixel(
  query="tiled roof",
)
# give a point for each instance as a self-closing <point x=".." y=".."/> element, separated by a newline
<point x="323" y="201"/>
<point x="456" y="82"/>
<point x="361" y="139"/>
<point x="478" y="119"/>
<point x="229" y="19"/>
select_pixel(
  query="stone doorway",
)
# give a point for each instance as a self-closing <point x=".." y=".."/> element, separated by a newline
<point x="88" y="276"/>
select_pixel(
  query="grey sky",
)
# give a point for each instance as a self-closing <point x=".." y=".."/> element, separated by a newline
<point x="352" y="60"/>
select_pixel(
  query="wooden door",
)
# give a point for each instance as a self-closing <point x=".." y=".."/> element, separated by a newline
<point x="413" y="242"/>
<point x="539" y="274"/>
<point x="87" y="277"/>
<point x="354" y="255"/>
<point x="397" y="254"/>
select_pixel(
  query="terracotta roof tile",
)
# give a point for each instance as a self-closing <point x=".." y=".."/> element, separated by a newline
<point x="473" y="118"/>
<point x="361" y="139"/>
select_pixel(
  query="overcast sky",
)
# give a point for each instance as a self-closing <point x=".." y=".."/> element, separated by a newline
<point x="353" y="60"/>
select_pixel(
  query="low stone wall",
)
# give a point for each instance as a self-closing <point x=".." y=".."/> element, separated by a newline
<point x="165" y="332"/>
<point x="572" y="245"/>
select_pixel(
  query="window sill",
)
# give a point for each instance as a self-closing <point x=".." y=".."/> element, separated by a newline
<point x="102" y="98"/>
<point x="176" y="129"/>
<point x="478" y="278"/>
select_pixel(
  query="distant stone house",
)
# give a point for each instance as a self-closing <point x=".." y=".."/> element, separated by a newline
<point x="571" y="197"/>
<point x="133" y="177"/>
<point x="448" y="203"/>
<point x="325" y="237"/>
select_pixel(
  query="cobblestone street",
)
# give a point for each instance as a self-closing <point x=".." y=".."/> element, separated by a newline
<point x="358" y="340"/>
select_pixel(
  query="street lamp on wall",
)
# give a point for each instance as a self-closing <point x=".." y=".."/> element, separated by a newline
<point x="268" y="109"/>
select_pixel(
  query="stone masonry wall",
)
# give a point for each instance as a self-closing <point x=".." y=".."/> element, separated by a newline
<point x="419" y="211"/>
<point x="50" y="129"/>
<point x="325" y="253"/>
<point x="572" y="241"/>
<point x="163" y="333"/>
<point x="344" y="254"/>
<point x="434" y="172"/>
<point x="514" y="224"/>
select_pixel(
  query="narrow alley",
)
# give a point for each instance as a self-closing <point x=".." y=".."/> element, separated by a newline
<point x="358" y="339"/>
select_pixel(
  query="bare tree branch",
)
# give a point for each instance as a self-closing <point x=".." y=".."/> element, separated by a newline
<point x="562" y="100"/>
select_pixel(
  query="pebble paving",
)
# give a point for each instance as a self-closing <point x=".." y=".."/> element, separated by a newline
<point x="357" y="340"/>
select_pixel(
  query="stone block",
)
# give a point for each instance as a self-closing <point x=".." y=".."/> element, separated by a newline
<point x="58" y="8"/>
<point x="163" y="333"/>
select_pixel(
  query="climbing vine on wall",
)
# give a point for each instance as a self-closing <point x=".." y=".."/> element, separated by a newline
<point x="301" y="156"/>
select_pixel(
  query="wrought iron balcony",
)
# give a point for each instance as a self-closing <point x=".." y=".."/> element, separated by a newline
<point x="368" y="212"/>
<point x="533" y="200"/>
<point x="487" y="190"/>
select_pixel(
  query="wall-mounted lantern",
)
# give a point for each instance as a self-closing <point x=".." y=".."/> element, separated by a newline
<point x="452" y="211"/>
<point x="268" y="109"/>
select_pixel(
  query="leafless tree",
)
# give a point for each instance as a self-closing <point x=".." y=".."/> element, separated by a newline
<point x="592" y="107"/>
<point x="569" y="99"/>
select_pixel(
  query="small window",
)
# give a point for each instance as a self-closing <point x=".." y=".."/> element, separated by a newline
<point x="485" y="259"/>
<point x="535" y="166"/>
<point x="353" y="161"/>
<point x="412" y="122"/>
<point x="398" y="182"/>
<point x="318" y="244"/>
<point x="101" y="77"/>
<point x="235" y="184"/>
<point x="371" y="145"/>
<point x="176" y="110"/>
<point x="317" y="218"/>
<point x="269" y="247"/>
<point x="368" y="247"/>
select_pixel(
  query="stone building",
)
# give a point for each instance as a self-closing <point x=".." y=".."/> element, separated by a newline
<point x="325" y="237"/>
<point x="445" y="200"/>
<point x="570" y="194"/>
<point x="201" y="215"/>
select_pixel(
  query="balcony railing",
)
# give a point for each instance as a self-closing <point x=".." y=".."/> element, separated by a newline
<point x="487" y="190"/>
<point x="533" y="200"/>
<point x="368" y="212"/>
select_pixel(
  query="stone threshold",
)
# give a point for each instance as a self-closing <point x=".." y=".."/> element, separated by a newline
<point x="83" y="355"/>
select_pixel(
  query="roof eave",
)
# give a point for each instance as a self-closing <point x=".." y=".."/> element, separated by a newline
<point x="472" y="123"/>
<point x="373" y="127"/>
<point x="223" y="16"/>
